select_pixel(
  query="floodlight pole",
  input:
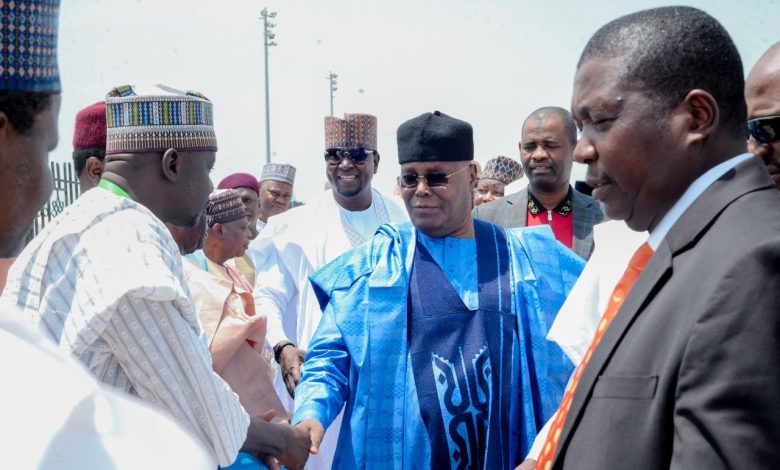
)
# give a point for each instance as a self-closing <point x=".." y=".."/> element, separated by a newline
<point x="333" y="79"/>
<point x="268" y="37"/>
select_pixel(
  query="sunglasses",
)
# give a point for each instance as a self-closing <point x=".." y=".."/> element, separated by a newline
<point x="358" y="156"/>
<point x="433" y="180"/>
<point x="765" y="129"/>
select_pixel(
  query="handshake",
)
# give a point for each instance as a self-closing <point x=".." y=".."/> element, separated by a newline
<point x="280" y="444"/>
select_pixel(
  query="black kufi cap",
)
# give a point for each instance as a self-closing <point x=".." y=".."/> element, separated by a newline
<point x="435" y="137"/>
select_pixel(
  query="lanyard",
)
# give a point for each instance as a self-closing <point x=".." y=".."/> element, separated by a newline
<point x="114" y="188"/>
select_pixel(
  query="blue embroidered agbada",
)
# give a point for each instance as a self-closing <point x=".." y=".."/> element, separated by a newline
<point x="439" y="365"/>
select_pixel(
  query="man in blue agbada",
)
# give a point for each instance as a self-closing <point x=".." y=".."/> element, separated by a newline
<point x="433" y="332"/>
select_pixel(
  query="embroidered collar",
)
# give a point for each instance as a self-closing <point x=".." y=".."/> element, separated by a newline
<point x="563" y="208"/>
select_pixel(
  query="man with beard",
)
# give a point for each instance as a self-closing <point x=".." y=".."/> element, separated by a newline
<point x="104" y="278"/>
<point x="546" y="152"/>
<point x="300" y="241"/>
<point x="762" y="93"/>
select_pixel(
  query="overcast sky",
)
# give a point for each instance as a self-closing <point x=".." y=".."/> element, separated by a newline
<point x="489" y="62"/>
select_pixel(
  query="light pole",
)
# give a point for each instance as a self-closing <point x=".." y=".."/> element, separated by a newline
<point x="333" y="79"/>
<point x="268" y="41"/>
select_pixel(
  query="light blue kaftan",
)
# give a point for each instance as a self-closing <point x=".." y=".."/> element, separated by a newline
<point x="359" y="354"/>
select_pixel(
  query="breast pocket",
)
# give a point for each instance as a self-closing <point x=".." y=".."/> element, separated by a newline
<point x="628" y="387"/>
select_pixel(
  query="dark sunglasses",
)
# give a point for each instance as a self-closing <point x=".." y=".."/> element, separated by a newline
<point x="765" y="129"/>
<point x="433" y="180"/>
<point x="358" y="156"/>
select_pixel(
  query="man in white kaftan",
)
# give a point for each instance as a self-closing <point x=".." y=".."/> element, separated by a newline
<point x="105" y="280"/>
<point x="298" y="242"/>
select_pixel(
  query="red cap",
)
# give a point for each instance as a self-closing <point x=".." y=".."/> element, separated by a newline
<point x="90" y="127"/>
<point x="240" y="180"/>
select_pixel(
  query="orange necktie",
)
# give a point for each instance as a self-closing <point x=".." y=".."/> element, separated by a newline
<point x="635" y="267"/>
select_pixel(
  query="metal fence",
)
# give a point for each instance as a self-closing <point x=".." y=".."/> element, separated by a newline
<point x="66" y="190"/>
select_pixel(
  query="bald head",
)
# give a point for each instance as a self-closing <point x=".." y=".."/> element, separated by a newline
<point x="762" y="87"/>
<point x="762" y="94"/>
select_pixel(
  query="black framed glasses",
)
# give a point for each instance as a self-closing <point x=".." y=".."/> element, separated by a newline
<point x="358" y="155"/>
<point x="765" y="129"/>
<point x="433" y="180"/>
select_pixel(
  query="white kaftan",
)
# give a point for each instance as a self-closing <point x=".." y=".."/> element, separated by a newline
<point x="105" y="279"/>
<point x="58" y="416"/>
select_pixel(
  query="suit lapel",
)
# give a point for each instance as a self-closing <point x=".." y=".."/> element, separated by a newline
<point x="652" y="279"/>
<point x="746" y="177"/>
<point x="515" y="209"/>
<point x="582" y="224"/>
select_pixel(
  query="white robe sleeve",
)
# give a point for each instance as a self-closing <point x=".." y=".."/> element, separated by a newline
<point x="274" y="288"/>
<point x="169" y="366"/>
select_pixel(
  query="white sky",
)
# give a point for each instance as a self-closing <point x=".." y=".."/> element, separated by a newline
<point x="489" y="62"/>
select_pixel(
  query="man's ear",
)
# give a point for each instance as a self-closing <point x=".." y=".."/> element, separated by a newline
<point x="94" y="169"/>
<point x="702" y="115"/>
<point x="217" y="230"/>
<point x="376" y="162"/>
<point x="5" y="127"/>
<point x="171" y="165"/>
<point x="473" y="179"/>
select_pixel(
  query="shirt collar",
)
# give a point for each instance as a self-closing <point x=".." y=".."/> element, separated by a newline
<point x="562" y="208"/>
<point x="690" y="195"/>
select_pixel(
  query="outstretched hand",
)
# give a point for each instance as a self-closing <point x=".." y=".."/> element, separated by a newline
<point x="297" y="448"/>
<point x="315" y="431"/>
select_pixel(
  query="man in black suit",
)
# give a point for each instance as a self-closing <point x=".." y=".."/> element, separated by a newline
<point x="548" y="138"/>
<point x="685" y="375"/>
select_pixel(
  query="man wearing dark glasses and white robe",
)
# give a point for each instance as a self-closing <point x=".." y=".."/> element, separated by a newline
<point x="762" y="93"/>
<point x="433" y="333"/>
<point x="296" y="243"/>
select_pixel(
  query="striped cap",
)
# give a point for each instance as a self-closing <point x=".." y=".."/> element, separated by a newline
<point x="154" y="119"/>
<point x="278" y="172"/>
<point x="225" y="206"/>
<point x="28" y="45"/>
<point x="354" y="131"/>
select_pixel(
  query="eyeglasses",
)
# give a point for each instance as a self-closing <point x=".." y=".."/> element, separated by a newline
<point x="765" y="129"/>
<point x="358" y="156"/>
<point x="433" y="180"/>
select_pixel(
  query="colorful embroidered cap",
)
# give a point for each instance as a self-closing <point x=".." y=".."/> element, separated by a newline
<point x="278" y="172"/>
<point x="28" y="45"/>
<point x="503" y="169"/>
<point x="225" y="206"/>
<point x="90" y="132"/>
<point x="239" y="180"/>
<point x="354" y="131"/>
<point x="154" y="119"/>
<point x="435" y="137"/>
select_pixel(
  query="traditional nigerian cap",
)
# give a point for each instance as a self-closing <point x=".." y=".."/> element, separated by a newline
<point x="354" y="131"/>
<point x="90" y="132"/>
<point x="239" y="180"/>
<point x="154" y="119"/>
<point x="225" y="206"/>
<point x="28" y="45"/>
<point x="278" y="172"/>
<point x="503" y="169"/>
<point x="435" y="137"/>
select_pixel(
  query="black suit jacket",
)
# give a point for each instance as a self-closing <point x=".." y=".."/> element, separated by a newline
<point x="688" y="374"/>
<point x="511" y="211"/>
